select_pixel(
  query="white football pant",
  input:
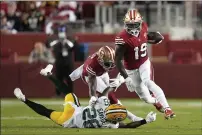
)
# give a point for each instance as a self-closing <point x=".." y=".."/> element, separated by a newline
<point x="143" y="79"/>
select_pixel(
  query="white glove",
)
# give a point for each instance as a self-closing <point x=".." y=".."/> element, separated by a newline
<point x="129" y="84"/>
<point x="92" y="101"/>
<point x="150" y="117"/>
<point x="116" y="82"/>
<point x="47" y="71"/>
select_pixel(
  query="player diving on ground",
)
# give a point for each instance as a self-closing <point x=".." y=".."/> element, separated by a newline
<point x="99" y="115"/>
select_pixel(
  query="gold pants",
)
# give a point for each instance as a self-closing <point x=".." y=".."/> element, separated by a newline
<point x="61" y="117"/>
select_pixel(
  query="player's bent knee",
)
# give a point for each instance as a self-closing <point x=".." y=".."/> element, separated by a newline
<point x="146" y="82"/>
<point x="148" y="100"/>
<point x="71" y="97"/>
<point x="55" y="116"/>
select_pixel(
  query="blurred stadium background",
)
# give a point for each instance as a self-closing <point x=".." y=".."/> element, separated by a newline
<point x="177" y="60"/>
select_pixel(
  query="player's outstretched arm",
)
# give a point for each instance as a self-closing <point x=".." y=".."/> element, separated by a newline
<point x="132" y="124"/>
<point x="119" y="53"/>
<point x="151" y="117"/>
<point x="92" y="83"/>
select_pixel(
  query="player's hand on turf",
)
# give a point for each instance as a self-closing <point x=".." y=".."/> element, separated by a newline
<point x="129" y="84"/>
<point x="47" y="71"/>
<point x="150" y="117"/>
<point x="92" y="101"/>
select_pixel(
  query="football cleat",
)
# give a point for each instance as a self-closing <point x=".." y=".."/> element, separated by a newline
<point x="115" y="113"/>
<point x="47" y="71"/>
<point x="169" y="113"/>
<point x="18" y="93"/>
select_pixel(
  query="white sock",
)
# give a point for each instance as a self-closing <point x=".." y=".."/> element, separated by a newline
<point x="158" y="93"/>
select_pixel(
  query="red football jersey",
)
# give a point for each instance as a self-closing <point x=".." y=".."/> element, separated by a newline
<point x="92" y="66"/>
<point x="136" y="47"/>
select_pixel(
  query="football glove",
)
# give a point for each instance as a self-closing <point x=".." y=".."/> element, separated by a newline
<point x="129" y="84"/>
<point x="116" y="82"/>
<point x="92" y="101"/>
<point x="150" y="117"/>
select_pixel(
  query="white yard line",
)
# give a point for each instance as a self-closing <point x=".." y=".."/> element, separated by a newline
<point x="24" y="118"/>
<point x="5" y="103"/>
<point x="42" y="118"/>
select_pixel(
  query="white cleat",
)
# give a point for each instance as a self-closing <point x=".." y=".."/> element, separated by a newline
<point x="19" y="95"/>
<point x="47" y="71"/>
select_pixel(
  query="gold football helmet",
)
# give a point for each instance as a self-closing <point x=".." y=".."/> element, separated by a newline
<point x="132" y="21"/>
<point x="115" y="113"/>
<point x="106" y="57"/>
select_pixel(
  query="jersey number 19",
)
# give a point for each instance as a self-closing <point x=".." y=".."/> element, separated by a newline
<point x="140" y="52"/>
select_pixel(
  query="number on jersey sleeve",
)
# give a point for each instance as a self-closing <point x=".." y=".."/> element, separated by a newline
<point x="140" y="52"/>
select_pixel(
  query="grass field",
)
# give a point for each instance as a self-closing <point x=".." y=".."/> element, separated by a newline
<point x="18" y="119"/>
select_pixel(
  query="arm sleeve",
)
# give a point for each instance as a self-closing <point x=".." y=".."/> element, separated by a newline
<point x="90" y="68"/>
<point x="119" y="41"/>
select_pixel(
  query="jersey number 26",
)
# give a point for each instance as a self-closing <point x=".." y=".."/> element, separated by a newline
<point x="140" y="51"/>
<point x="89" y="117"/>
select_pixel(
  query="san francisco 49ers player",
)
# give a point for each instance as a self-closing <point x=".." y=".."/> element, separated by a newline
<point x="94" y="72"/>
<point x="131" y="46"/>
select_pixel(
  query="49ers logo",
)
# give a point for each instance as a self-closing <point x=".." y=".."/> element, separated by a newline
<point x="141" y="51"/>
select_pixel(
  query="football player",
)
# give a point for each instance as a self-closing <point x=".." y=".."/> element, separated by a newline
<point x="131" y="46"/>
<point x="100" y="115"/>
<point x="94" y="72"/>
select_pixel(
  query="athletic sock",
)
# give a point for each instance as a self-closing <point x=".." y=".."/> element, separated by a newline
<point x="40" y="109"/>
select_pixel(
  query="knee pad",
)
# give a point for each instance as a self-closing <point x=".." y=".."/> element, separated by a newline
<point x="149" y="100"/>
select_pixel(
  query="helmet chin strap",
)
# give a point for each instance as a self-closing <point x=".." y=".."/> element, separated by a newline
<point x="134" y="32"/>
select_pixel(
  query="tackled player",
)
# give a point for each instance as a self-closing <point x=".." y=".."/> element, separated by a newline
<point x="100" y="115"/>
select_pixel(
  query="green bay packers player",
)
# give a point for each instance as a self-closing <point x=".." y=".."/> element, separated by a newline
<point x="99" y="115"/>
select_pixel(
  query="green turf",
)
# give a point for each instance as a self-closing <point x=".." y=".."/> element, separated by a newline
<point x="18" y="119"/>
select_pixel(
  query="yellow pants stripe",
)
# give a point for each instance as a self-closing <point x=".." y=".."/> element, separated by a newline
<point x="76" y="99"/>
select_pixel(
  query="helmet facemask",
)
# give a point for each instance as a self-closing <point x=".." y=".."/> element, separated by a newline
<point x="106" y="64"/>
<point x="133" y="28"/>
